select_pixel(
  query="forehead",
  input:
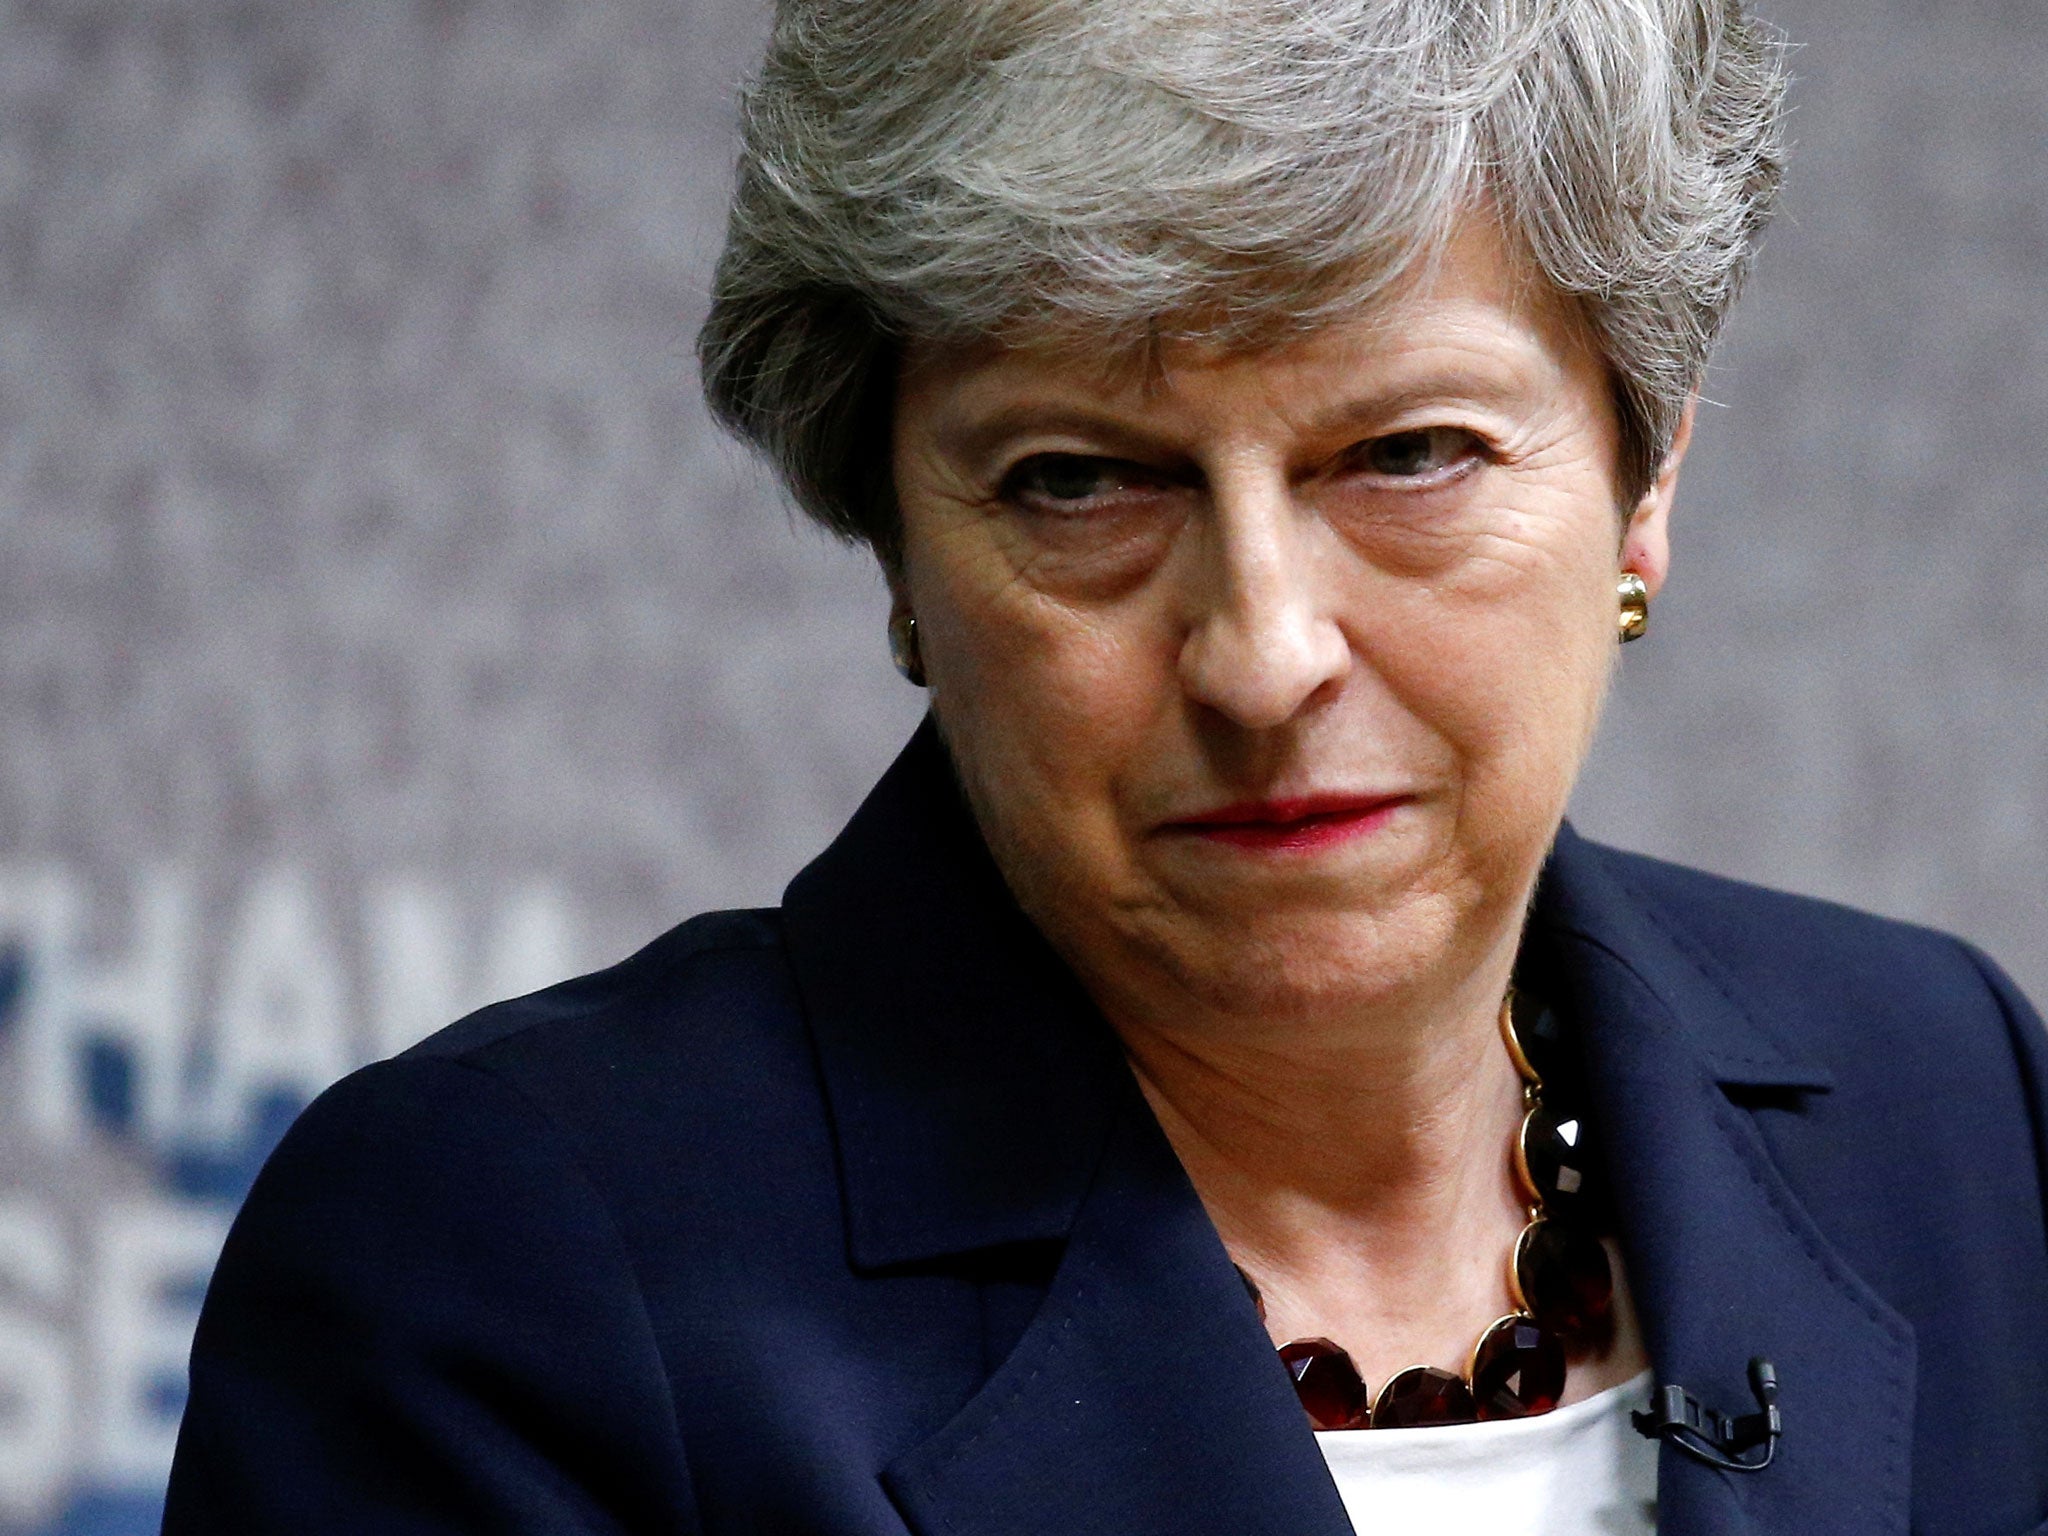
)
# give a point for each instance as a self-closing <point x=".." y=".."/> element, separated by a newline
<point x="1472" y="309"/>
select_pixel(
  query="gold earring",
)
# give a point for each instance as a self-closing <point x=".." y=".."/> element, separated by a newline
<point x="904" y="649"/>
<point x="1635" y="606"/>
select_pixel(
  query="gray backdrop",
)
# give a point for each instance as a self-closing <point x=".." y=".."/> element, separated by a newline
<point x="384" y="627"/>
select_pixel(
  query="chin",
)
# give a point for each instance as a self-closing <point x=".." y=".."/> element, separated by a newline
<point x="1277" y="966"/>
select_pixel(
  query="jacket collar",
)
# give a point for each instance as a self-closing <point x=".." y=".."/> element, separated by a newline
<point x="979" y="1100"/>
<point x="970" y="1081"/>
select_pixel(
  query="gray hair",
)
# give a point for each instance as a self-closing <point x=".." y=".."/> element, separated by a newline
<point x="1235" y="171"/>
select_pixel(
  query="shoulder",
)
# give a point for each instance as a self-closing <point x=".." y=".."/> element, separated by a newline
<point x="1898" y="1076"/>
<point x="677" y="1064"/>
<point x="709" y="968"/>
<point x="441" y="1278"/>
<point x="1769" y="933"/>
<point x="620" y="1120"/>
<point x="1824" y="980"/>
<point x="1912" y="1120"/>
<point x="596" y="1153"/>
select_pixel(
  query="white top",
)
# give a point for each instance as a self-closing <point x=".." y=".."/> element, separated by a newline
<point x="1581" y="1470"/>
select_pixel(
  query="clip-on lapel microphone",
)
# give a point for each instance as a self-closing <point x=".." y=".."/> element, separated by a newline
<point x="1704" y="1434"/>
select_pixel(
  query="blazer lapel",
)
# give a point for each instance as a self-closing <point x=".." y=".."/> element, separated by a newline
<point x="970" y="1079"/>
<point x="1144" y="1396"/>
<point x="1723" y="1261"/>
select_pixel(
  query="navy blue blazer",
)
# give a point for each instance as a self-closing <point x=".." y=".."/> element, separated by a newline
<point x="847" y="1217"/>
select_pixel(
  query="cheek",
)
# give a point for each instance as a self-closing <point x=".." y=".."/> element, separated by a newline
<point x="1507" y="659"/>
<point x="1045" y="705"/>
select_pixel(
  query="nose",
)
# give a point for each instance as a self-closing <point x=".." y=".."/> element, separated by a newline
<point x="1261" y="642"/>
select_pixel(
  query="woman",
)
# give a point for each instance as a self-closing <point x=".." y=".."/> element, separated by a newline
<point x="1205" y="1088"/>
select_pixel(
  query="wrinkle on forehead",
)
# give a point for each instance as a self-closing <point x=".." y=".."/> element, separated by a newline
<point x="1477" y="297"/>
<point x="1478" y="255"/>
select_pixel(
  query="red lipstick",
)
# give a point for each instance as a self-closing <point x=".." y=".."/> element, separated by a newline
<point x="1300" y="825"/>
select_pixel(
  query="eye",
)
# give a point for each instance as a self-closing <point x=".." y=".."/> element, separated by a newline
<point x="1063" y="481"/>
<point x="1426" y="453"/>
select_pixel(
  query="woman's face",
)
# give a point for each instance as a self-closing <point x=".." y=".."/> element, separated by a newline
<point x="1268" y="675"/>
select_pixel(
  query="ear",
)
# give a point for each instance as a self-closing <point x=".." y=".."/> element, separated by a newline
<point x="1646" y="542"/>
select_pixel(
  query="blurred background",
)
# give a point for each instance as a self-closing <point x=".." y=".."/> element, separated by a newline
<point x="383" y="628"/>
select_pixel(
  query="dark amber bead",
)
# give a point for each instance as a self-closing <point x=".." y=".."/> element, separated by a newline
<point x="1518" y="1369"/>
<point x="1326" y="1382"/>
<point x="1563" y="1278"/>
<point x="1536" y="1040"/>
<point x="1424" y="1397"/>
<point x="1553" y="1156"/>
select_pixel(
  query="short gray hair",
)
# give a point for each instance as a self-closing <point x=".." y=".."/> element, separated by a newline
<point x="1237" y="171"/>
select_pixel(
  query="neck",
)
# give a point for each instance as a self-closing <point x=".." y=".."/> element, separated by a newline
<point x="1360" y="1172"/>
<point x="1384" y="1122"/>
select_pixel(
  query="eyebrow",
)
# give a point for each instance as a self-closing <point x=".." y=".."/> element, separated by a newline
<point x="1464" y="387"/>
<point x="974" y="438"/>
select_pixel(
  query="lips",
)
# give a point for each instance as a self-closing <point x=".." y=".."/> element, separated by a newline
<point x="1295" y="825"/>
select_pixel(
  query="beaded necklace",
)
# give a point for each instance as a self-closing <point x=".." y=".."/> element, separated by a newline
<point x="1559" y="1277"/>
